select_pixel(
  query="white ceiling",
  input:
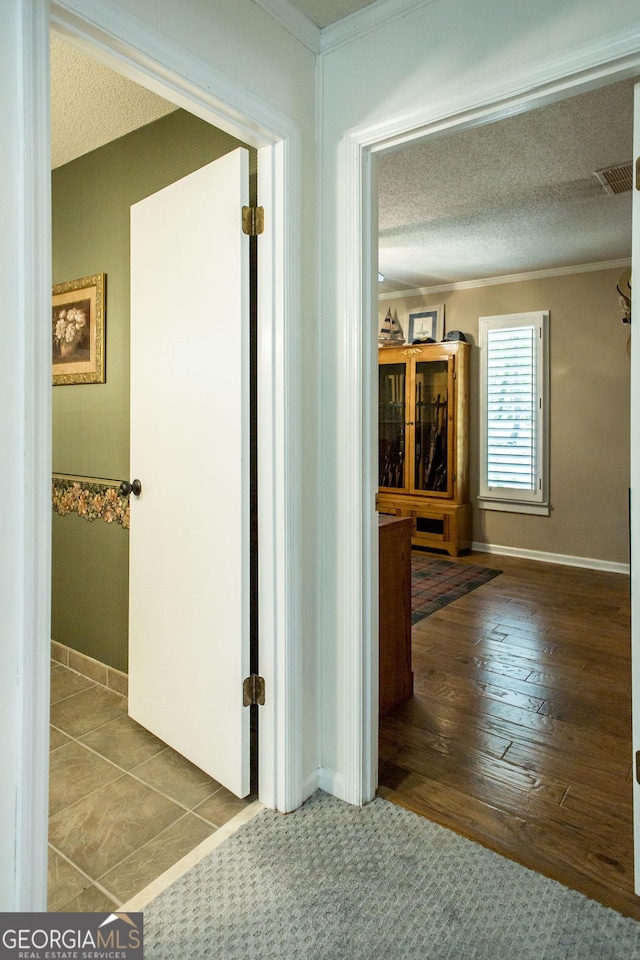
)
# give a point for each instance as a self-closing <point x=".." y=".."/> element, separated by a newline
<point x="325" y="12"/>
<point x="509" y="197"/>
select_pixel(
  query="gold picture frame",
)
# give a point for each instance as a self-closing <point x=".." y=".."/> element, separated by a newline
<point x="78" y="322"/>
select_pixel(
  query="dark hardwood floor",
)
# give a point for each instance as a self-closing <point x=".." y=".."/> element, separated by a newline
<point x="519" y="731"/>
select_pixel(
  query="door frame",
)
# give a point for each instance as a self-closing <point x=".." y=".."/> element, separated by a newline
<point x="634" y="514"/>
<point x="155" y="62"/>
<point x="597" y="64"/>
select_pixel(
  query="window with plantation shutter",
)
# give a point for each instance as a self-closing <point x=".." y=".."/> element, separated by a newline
<point x="513" y="412"/>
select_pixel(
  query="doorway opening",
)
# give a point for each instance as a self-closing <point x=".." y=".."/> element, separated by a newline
<point x="277" y="155"/>
<point x="428" y="747"/>
<point x="92" y="197"/>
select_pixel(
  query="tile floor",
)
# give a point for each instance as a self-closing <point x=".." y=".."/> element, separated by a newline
<point x="123" y="806"/>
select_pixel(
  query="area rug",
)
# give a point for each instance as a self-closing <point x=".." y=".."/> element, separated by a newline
<point x="435" y="583"/>
<point x="336" y="882"/>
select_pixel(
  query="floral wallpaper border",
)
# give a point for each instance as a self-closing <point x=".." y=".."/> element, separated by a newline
<point x="90" y="499"/>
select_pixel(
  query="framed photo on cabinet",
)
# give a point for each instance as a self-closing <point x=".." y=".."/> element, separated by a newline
<point x="78" y="323"/>
<point x="427" y="322"/>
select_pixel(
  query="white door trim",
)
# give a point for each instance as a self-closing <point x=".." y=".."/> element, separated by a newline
<point x="163" y="67"/>
<point x="279" y="402"/>
<point x="612" y="58"/>
<point x="150" y="59"/>
<point x="25" y="432"/>
<point x="635" y="513"/>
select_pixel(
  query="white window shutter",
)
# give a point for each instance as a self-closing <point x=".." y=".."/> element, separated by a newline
<point x="511" y="408"/>
<point x="513" y="412"/>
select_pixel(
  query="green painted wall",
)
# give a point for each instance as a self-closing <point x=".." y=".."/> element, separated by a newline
<point x="91" y="198"/>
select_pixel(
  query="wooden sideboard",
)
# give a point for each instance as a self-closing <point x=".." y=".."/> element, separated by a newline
<point x="394" y="556"/>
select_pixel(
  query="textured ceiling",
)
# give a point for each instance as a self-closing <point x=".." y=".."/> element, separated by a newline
<point x="91" y="105"/>
<point x="509" y="197"/>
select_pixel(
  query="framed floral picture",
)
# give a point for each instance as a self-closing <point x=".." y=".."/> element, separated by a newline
<point x="78" y="322"/>
<point x="427" y="323"/>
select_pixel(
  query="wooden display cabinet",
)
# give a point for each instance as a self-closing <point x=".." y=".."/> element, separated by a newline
<point x="423" y="441"/>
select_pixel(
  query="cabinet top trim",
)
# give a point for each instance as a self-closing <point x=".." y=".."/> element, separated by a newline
<point x="444" y="348"/>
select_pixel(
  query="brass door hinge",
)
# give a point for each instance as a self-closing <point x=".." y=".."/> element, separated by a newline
<point x="253" y="691"/>
<point x="377" y="507"/>
<point x="253" y="221"/>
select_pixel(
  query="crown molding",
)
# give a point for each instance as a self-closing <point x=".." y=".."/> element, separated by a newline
<point x="343" y="31"/>
<point x="509" y="278"/>
<point x="295" y="22"/>
<point x="364" y="21"/>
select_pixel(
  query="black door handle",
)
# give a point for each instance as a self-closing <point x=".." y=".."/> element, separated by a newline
<point x="130" y="487"/>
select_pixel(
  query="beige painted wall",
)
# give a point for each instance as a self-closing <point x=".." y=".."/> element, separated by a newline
<point x="589" y="396"/>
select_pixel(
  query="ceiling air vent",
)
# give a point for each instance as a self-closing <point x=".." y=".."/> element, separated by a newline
<point x="616" y="179"/>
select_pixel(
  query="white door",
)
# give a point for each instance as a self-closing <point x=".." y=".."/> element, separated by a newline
<point x="189" y="553"/>
<point x="635" y="486"/>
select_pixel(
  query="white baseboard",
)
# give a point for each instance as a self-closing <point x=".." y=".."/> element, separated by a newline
<point x="590" y="563"/>
<point x="310" y="784"/>
<point x="331" y="782"/>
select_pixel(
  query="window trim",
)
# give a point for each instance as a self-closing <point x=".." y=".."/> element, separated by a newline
<point x="505" y="498"/>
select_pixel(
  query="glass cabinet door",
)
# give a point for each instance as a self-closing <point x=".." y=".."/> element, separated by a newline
<point x="431" y="442"/>
<point x="391" y="424"/>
